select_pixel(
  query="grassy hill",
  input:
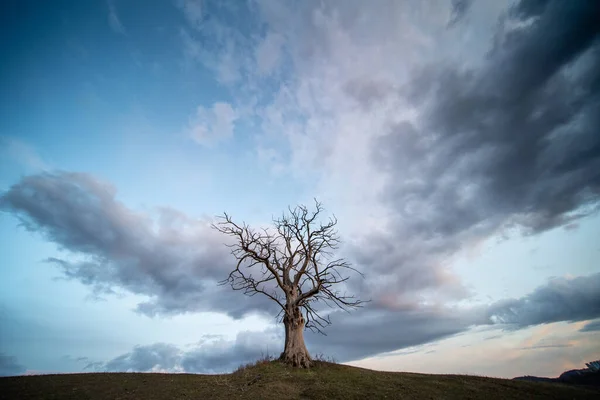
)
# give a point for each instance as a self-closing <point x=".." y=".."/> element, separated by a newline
<point x="272" y="380"/>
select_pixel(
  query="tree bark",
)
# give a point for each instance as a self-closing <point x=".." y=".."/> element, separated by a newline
<point x="295" y="352"/>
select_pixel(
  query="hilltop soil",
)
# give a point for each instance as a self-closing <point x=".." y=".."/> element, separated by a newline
<point x="273" y="380"/>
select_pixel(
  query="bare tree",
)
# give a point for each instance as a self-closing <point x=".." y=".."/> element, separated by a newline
<point x="292" y="264"/>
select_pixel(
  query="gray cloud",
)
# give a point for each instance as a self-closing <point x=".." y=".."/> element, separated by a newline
<point x="502" y="142"/>
<point x="156" y="357"/>
<point x="368" y="93"/>
<point x="350" y="338"/>
<point x="562" y="299"/>
<point x="377" y="330"/>
<point x="177" y="265"/>
<point x="591" y="327"/>
<point x="492" y="337"/>
<point x="82" y="215"/>
<point x="173" y="259"/>
<point x="512" y="144"/>
<point x="529" y="9"/>
<point x="459" y="9"/>
<point x="371" y="331"/>
<point x="9" y="366"/>
<point x="212" y="356"/>
<point x="221" y="355"/>
<point x="547" y="346"/>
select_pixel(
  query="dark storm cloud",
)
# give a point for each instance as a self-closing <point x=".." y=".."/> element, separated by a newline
<point x="9" y="366"/>
<point x="562" y="299"/>
<point x="522" y="134"/>
<point x="174" y="260"/>
<point x="513" y="144"/>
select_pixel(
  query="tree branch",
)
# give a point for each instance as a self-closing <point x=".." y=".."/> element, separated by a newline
<point x="300" y="244"/>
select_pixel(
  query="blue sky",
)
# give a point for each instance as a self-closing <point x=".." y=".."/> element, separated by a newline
<point x="456" y="146"/>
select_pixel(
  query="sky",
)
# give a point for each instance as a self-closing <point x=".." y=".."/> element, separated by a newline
<point x="456" y="141"/>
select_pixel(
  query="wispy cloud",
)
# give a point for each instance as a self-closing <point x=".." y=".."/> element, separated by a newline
<point x="210" y="126"/>
<point x="113" y="19"/>
<point x="193" y="10"/>
<point x="548" y="346"/>
<point x="23" y="154"/>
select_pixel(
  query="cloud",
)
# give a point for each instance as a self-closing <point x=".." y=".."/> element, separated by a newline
<point x="209" y="126"/>
<point x="173" y="259"/>
<point x="159" y="357"/>
<point x="22" y="153"/>
<point x="210" y="39"/>
<point x="113" y="19"/>
<point x="561" y="299"/>
<point x="193" y="11"/>
<point x="502" y="356"/>
<point x="467" y="135"/>
<point x="222" y="355"/>
<point x="508" y="146"/>
<point x="176" y="261"/>
<point x="459" y="9"/>
<point x="9" y="366"/>
<point x="547" y="346"/>
<point x="350" y="337"/>
<point x="592" y="326"/>
<point x="334" y="93"/>
<point x="462" y="137"/>
<point x="268" y="53"/>
<point x="212" y="356"/>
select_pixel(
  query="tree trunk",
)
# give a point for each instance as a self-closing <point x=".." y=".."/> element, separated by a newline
<point x="295" y="352"/>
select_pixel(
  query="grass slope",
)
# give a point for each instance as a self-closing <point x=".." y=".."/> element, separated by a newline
<point x="272" y="380"/>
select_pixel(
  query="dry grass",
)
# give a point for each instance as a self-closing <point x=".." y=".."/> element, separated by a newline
<point x="267" y="379"/>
